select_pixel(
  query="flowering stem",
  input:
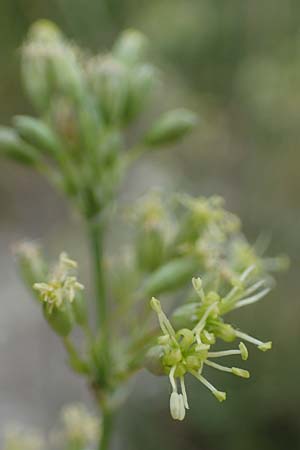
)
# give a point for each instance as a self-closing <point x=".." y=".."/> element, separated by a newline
<point x="107" y="428"/>
<point x="96" y="235"/>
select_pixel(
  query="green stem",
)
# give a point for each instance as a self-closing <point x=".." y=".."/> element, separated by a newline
<point x="106" y="429"/>
<point x="96" y="236"/>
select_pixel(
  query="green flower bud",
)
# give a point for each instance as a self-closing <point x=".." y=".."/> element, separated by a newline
<point x="108" y="80"/>
<point x="59" y="319"/>
<point x="180" y="370"/>
<point x="32" y="265"/>
<point x="150" y="249"/>
<point x="185" y="338"/>
<point x="130" y="47"/>
<point x="44" y="31"/>
<point x="36" y="133"/>
<point x="153" y="360"/>
<point x="193" y="362"/>
<point x="172" y="357"/>
<point x="14" y="148"/>
<point x="50" y="66"/>
<point x="141" y="81"/>
<point x="171" y="127"/>
<point x="170" y="276"/>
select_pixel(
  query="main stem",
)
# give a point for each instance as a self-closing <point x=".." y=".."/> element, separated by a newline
<point x="96" y="237"/>
<point x="106" y="430"/>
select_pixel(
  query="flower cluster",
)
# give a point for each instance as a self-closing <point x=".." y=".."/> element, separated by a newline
<point x="16" y="438"/>
<point x="57" y="289"/>
<point x="79" y="428"/>
<point x="62" y="286"/>
<point x="183" y="350"/>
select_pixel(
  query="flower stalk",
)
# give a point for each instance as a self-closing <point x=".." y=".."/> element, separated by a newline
<point x="85" y="105"/>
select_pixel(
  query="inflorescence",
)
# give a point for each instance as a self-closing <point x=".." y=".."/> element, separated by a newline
<point x="188" y="350"/>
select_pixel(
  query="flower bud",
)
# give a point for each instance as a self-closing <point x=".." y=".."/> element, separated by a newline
<point x="49" y="66"/>
<point x="172" y="357"/>
<point x="108" y="79"/>
<point x="170" y="276"/>
<point x="171" y="127"/>
<point x="142" y="80"/>
<point x="14" y="148"/>
<point x="31" y="263"/>
<point x="150" y="249"/>
<point x="130" y="47"/>
<point x="153" y="360"/>
<point x="186" y="338"/>
<point x="36" y="133"/>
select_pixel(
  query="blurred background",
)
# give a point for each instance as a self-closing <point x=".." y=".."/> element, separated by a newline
<point x="238" y="65"/>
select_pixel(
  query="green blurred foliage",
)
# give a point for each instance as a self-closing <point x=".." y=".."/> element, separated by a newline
<point x="238" y="64"/>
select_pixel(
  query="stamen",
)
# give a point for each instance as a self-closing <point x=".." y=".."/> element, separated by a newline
<point x="236" y="290"/>
<point x="246" y="273"/>
<point x="218" y="366"/>
<point x="197" y="285"/>
<point x="181" y="415"/>
<point x="255" y="286"/>
<point x="201" y="324"/>
<point x="234" y="370"/>
<point x="172" y="379"/>
<point x="164" y="322"/>
<point x="263" y="346"/>
<point x="252" y="299"/>
<point x="223" y="353"/>
<point x="183" y="390"/>
<point x="221" y="396"/>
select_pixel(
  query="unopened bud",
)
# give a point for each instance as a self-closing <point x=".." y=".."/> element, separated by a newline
<point x="130" y="47"/>
<point x="171" y="127"/>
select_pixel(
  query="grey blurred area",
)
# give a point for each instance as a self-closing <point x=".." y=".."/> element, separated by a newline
<point x="237" y="64"/>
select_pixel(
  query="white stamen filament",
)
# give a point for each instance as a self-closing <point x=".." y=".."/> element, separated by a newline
<point x="218" y="366"/>
<point x="255" y="286"/>
<point x="223" y="353"/>
<point x="172" y="379"/>
<point x="204" y="381"/>
<point x="235" y="290"/>
<point x="183" y="390"/>
<point x="201" y="324"/>
<point x="248" y="338"/>
<point x="253" y="298"/>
